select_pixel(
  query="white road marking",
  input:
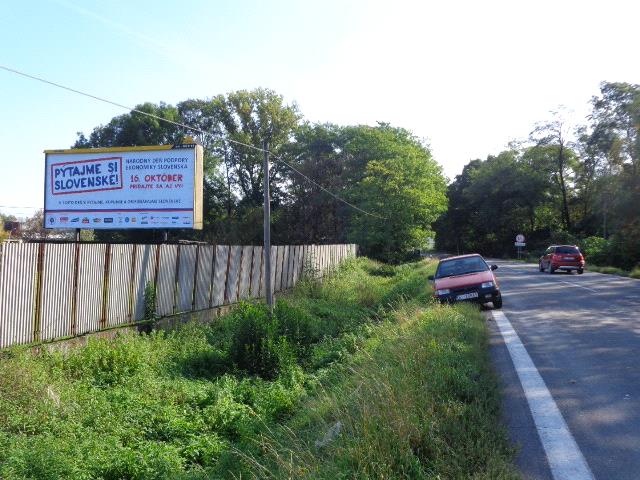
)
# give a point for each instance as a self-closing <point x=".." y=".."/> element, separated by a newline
<point x="578" y="285"/>
<point x="563" y="454"/>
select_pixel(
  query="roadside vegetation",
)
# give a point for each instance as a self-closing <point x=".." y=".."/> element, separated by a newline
<point x="566" y="184"/>
<point x="357" y="376"/>
<point x="635" y="273"/>
<point x="598" y="253"/>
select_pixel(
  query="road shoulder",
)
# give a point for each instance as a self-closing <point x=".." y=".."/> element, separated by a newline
<point x="530" y="459"/>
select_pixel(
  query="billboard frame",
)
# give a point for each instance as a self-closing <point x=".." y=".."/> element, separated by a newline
<point x="198" y="177"/>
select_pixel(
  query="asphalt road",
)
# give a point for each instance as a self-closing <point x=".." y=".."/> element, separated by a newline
<point x="582" y="332"/>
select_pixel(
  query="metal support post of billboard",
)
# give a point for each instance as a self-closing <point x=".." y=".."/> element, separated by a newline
<point x="77" y="235"/>
<point x="267" y="228"/>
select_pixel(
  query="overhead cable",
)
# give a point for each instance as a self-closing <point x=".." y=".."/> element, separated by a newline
<point x="188" y="127"/>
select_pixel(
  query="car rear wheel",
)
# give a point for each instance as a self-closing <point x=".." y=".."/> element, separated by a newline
<point x="580" y="271"/>
<point x="551" y="269"/>
<point x="541" y="267"/>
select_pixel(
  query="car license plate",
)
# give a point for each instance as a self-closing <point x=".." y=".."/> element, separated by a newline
<point x="467" y="296"/>
<point x="567" y="258"/>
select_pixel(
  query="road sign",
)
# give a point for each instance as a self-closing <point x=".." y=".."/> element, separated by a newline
<point x="520" y="244"/>
<point x="520" y="238"/>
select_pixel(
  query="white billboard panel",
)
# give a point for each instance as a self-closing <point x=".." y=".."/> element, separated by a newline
<point x="123" y="188"/>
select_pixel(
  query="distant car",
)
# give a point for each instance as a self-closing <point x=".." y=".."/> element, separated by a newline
<point x="562" y="257"/>
<point x="466" y="278"/>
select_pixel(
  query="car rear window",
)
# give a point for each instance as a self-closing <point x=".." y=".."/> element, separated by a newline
<point x="461" y="266"/>
<point x="567" y="250"/>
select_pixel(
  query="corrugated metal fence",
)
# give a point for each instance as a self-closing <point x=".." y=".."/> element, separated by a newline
<point x="50" y="291"/>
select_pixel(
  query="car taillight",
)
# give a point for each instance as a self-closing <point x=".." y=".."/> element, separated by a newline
<point x="555" y="256"/>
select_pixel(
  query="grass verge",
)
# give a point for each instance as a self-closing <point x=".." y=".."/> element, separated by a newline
<point x="409" y="383"/>
<point x="635" y="273"/>
<point x="419" y="401"/>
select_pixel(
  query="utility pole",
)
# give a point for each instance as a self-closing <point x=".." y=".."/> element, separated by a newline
<point x="267" y="228"/>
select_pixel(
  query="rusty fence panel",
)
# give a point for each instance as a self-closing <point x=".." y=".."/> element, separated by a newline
<point x="118" y="296"/>
<point x="256" y="269"/>
<point x="90" y="294"/>
<point x="186" y="277"/>
<point x="299" y="263"/>
<point x="48" y="291"/>
<point x="318" y="259"/>
<point x="286" y="257"/>
<point x="263" y="276"/>
<point x="166" y="279"/>
<point x="57" y="292"/>
<point x="204" y="277"/>
<point x="285" y="267"/>
<point x="18" y="275"/>
<point x="144" y="273"/>
<point x="244" y="284"/>
<point x="233" y="274"/>
<point x="220" y="275"/>
<point x="290" y="261"/>
<point x="304" y="252"/>
<point x="322" y="259"/>
<point x="274" y="267"/>
<point x="294" y="265"/>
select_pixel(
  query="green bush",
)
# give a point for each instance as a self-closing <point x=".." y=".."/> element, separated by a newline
<point x="257" y="346"/>
<point x="635" y="273"/>
<point x="149" y="301"/>
<point x="625" y="246"/>
<point x="609" y="270"/>
<point x="107" y="362"/>
<point x="298" y="326"/>
<point x="560" y="237"/>
<point x="595" y="249"/>
<point x="180" y="404"/>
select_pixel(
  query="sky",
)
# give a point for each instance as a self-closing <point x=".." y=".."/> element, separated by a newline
<point x="466" y="76"/>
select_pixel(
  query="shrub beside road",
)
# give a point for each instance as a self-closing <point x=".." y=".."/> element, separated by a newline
<point x="358" y="376"/>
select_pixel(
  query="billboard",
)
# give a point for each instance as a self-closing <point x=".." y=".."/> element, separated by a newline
<point x="124" y="187"/>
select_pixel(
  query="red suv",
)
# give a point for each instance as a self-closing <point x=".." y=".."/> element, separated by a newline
<point x="562" y="257"/>
<point x="466" y="277"/>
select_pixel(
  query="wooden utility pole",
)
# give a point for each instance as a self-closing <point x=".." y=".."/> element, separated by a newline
<point x="267" y="228"/>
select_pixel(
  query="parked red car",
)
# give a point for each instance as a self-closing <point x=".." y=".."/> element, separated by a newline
<point x="562" y="257"/>
<point x="466" y="278"/>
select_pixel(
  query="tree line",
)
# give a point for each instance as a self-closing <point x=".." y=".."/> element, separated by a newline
<point x="385" y="171"/>
<point x="564" y="184"/>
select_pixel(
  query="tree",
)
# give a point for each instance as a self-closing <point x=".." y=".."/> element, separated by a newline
<point x="613" y="144"/>
<point x="132" y="129"/>
<point x="379" y="168"/>
<point x="308" y="213"/>
<point x="240" y="123"/>
<point x="33" y="229"/>
<point x="492" y="201"/>
<point x="616" y="116"/>
<point x="252" y="118"/>
<point x="402" y="188"/>
<point x="552" y="155"/>
<point x="454" y="229"/>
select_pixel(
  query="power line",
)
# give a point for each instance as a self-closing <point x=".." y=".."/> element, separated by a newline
<point x="19" y="207"/>
<point x="188" y="127"/>
<point x="329" y="192"/>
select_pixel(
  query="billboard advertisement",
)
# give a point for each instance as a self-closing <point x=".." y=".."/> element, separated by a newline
<point x="124" y="188"/>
